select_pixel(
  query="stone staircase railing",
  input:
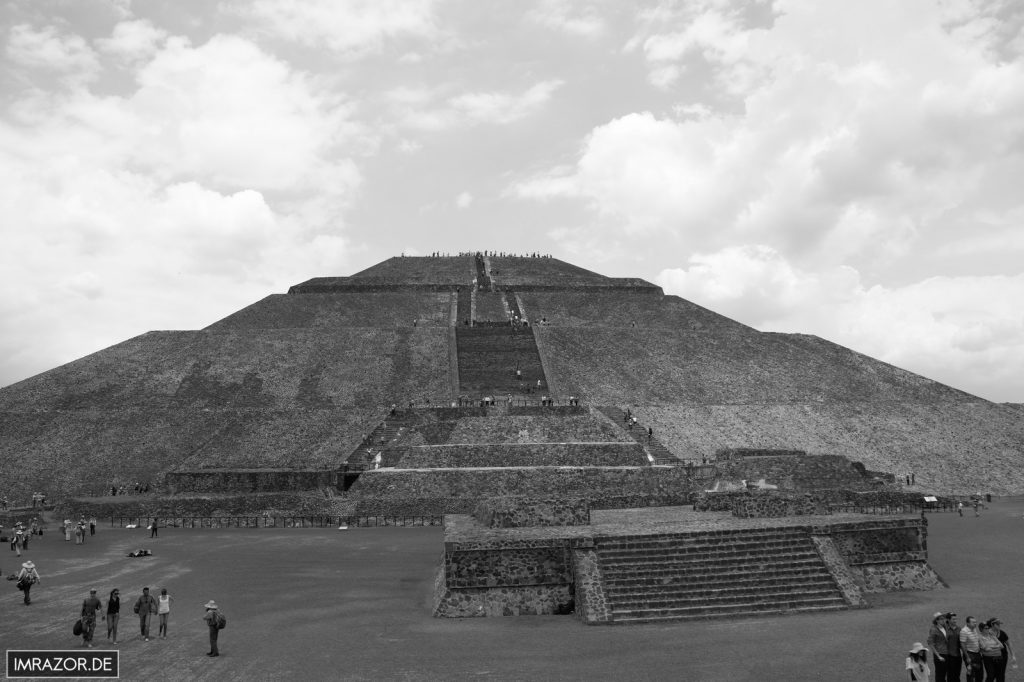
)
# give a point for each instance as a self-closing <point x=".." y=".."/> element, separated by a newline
<point x="714" y="574"/>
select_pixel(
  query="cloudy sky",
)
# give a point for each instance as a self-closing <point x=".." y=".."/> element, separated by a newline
<point x="846" y="169"/>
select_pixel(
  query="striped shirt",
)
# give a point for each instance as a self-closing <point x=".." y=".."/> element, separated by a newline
<point x="969" y="640"/>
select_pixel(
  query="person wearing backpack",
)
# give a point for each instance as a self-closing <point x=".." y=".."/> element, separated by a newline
<point x="215" y="622"/>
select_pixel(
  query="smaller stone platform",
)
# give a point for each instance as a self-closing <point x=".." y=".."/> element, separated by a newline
<point x="671" y="563"/>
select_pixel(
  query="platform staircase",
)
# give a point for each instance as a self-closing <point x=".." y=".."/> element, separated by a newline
<point x="652" y="445"/>
<point x="737" y="573"/>
<point x="489" y="356"/>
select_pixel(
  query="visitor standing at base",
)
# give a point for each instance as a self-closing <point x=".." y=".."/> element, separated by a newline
<point x="953" y="660"/>
<point x="970" y="649"/>
<point x="27" y="577"/>
<point x="917" y="664"/>
<point x="997" y="630"/>
<point x="938" y="642"/>
<point x="90" y="606"/>
<point x="163" y="611"/>
<point x="145" y="606"/>
<point x="991" y="651"/>
<point x="214" y="621"/>
<point x="113" y="613"/>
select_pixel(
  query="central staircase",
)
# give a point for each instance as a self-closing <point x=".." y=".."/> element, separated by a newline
<point x="736" y="573"/>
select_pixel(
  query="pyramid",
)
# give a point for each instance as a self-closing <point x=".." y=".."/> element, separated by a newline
<point x="299" y="385"/>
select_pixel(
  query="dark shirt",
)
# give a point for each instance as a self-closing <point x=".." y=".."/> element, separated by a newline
<point x="114" y="605"/>
<point x="1003" y="639"/>
<point x="89" y="608"/>
<point x="147" y="604"/>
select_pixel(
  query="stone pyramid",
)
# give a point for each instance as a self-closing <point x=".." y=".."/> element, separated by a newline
<point x="306" y="381"/>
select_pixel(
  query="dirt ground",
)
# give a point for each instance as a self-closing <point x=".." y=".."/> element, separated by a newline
<point x="355" y="605"/>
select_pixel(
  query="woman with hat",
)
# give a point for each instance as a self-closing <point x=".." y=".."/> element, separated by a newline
<point x="917" y="663"/>
<point x="27" y="577"/>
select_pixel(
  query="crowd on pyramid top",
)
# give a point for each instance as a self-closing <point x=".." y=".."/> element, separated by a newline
<point x="488" y="254"/>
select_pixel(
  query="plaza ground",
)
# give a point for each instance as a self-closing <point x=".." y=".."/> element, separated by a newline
<point x="355" y="605"/>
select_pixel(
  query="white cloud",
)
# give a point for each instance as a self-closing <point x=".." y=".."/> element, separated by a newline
<point x="964" y="331"/>
<point x="415" y="108"/>
<point x="225" y="174"/>
<point x="865" y="139"/>
<point x="573" y="18"/>
<point x="354" y="27"/>
<point x="133" y="41"/>
<point x="504" y="107"/>
<point x="464" y="200"/>
<point x="51" y="50"/>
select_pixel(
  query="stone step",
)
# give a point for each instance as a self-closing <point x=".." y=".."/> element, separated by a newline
<point x="712" y="575"/>
<point x="730" y="611"/>
<point x="734" y="568"/>
<point x="685" y="558"/>
<point x="706" y="536"/>
<point x="780" y="544"/>
<point x="711" y="581"/>
<point x="723" y="594"/>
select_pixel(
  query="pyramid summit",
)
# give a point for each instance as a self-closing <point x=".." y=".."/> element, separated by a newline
<point x="305" y="383"/>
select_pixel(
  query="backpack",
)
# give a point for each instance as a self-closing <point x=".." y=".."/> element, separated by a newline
<point x="222" y="622"/>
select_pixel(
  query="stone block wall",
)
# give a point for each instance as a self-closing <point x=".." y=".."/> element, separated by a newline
<point x="887" y="555"/>
<point x="194" y="505"/>
<point x="247" y="480"/>
<point x="513" y="512"/>
<point x="505" y="578"/>
<point x="516" y="455"/>
<point x="458" y="490"/>
<point x="732" y="454"/>
<point x="766" y="504"/>
<point x="797" y="472"/>
<point x="588" y="590"/>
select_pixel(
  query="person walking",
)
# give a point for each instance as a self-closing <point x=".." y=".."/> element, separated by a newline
<point x="1007" y="654"/>
<point x="27" y="577"/>
<point x="90" y="606"/>
<point x="145" y="606"/>
<point x="163" y="610"/>
<point x="113" y="613"/>
<point x="67" y="530"/>
<point x="213" y="620"/>
<point x="92" y="525"/>
<point x="153" y="526"/>
<point x="938" y="642"/>
<point x="17" y="540"/>
<point x="917" y="664"/>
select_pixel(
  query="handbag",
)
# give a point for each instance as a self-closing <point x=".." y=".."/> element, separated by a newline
<point x="77" y="630"/>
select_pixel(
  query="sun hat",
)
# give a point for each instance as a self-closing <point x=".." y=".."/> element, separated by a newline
<point x="28" y="564"/>
<point x="938" y="614"/>
<point x="211" y="604"/>
<point x="917" y="648"/>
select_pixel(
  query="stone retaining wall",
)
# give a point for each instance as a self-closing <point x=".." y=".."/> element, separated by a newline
<point x="458" y="490"/>
<point x="771" y="504"/>
<point x="516" y="455"/>
<point x="284" y="504"/>
<point x="248" y="480"/>
<point x="798" y="472"/>
<point x="515" y="512"/>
